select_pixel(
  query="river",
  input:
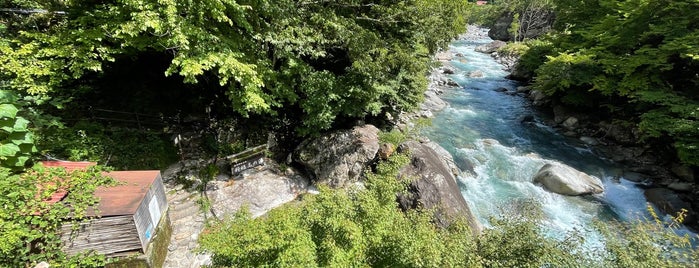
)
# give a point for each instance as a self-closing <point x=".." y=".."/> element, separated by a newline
<point x="482" y="129"/>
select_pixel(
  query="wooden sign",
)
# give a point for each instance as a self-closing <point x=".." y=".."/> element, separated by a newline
<point x="247" y="159"/>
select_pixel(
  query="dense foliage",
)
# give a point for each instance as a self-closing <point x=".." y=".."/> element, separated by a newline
<point x="305" y="62"/>
<point x="636" y="59"/>
<point x="16" y="140"/>
<point x="365" y="228"/>
<point x="29" y="224"/>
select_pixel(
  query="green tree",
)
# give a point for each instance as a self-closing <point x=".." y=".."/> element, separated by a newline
<point x="307" y="63"/>
<point x="636" y="58"/>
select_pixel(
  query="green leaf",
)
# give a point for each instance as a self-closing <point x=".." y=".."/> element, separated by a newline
<point x="20" y="125"/>
<point x="9" y="150"/>
<point x="7" y="96"/>
<point x="8" y="110"/>
<point x="21" y="138"/>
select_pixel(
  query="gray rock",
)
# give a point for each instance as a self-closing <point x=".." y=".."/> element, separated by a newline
<point x="476" y="74"/>
<point x="666" y="200"/>
<point x="560" y="114"/>
<point x="571" y="123"/>
<point x="562" y="179"/>
<point x="444" y="56"/>
<point x="339" y="158"/>
<point x="490" y="47"/>
<point x="260" y="192"/>
<point x="527" y="119"/>
<point x="684" y="172"/>
<point x="621" y="134"/>
<point x="448" y="70"/>
<point x="501" y="89"/>
<point x="433" y="187"/>
<point x="499" y="31"/>
<point x="446" y="157"/>
<point x="453" y="83"/>
<point x="522" y="89"/>
<point x="538" y="98"/>
<point x="433" y="102"/>
<point x="589" y="140"/>
<point x="634" y="176"/>
<point x="681" y="186"/>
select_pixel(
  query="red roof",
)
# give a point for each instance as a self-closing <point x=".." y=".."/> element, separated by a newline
<point x="125" y="198"/>
<point x="69" y="166"/>
<point x="122" y="199"/>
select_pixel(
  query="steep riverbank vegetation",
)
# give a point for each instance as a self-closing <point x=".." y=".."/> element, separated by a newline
<point x="633" y="62"/>
<point x="365" y="228"/>
<point x="637" y="60"/>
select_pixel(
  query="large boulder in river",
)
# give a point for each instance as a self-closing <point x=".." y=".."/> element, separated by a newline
<point x="339" y="158"/>
<point x="433" y="186"/>
<point x="490" y="47"/>
<point x="562" y="179"/>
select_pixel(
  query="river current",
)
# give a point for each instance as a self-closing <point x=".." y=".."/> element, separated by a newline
<point x="482" y="128"/>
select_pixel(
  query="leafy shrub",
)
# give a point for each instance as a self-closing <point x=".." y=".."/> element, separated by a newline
<point x="30" y="226"/>
<point x="364" y="228"/>
<point x="122" y="148"/>
<point x="16" y="140"/>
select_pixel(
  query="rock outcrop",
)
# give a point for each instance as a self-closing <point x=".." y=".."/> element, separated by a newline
<point x="562" y="179"/>
<point x="499" y="31"/>
<point x="490" y="47"/>
<point x="339" y="158"/>
<point x="433" y="186"/>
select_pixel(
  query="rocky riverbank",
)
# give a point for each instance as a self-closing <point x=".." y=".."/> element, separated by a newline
<point x="670" y="185"/>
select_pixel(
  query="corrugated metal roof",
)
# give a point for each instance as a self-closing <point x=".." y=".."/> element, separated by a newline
<point x="124" y="199"/>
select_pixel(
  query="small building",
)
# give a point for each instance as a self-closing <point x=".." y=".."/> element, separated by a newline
<point x="128" y="214"/>
<point x="480" y="3"/>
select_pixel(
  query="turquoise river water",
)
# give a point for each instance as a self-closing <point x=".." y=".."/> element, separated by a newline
<point x="482" y="129"/>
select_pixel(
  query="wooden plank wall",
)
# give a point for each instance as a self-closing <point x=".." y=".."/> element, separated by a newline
<point x="144" y="224"/>
<point x="108" y="235"/>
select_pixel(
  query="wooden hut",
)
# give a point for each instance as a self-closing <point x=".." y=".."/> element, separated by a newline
<point x="128" y="216"/>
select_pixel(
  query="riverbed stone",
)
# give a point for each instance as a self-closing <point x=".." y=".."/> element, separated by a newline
<point x="589" y="140"/>
<point x="681" y="186"/>
<point x="538" y="98"/>
<point x="686" y="173"/>
<point x="563" y="179"/>
<point x="444" y="56"/>
<point x="476" y="74"/>
<point x="490" y="47"/>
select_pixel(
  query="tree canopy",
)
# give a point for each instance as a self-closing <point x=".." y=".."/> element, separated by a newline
<point x="637" y="59"/>
<point x="309" y="61"/>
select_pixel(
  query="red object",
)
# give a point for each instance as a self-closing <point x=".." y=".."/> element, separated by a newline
<point x="125" y="198"/>
<point x="122" y="199"/>
<point x="480" y="3"/>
